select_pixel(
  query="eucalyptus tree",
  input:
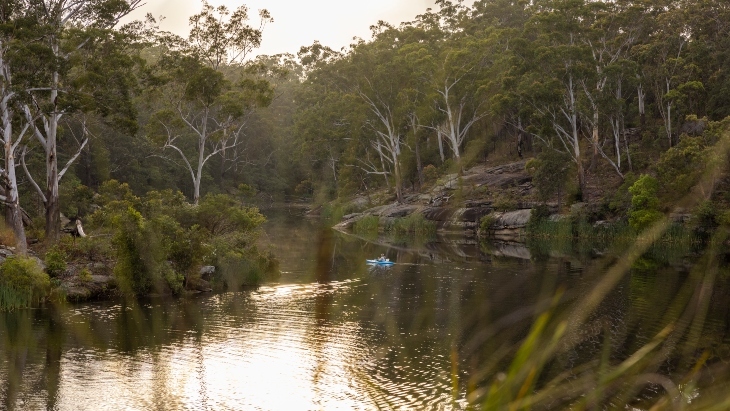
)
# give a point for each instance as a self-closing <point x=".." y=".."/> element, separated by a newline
<point x="67" y="28"/>
<point x="608" y="37"/>
<point x="661" y="56"/>
<point x="209" y="91"/>
<point x="553" y="63"/>
<point x="379" y="80"/>
<point x="16" y="31"/>
<point x="457" y="76"/>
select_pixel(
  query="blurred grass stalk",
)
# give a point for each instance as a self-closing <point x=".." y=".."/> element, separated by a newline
<point x="526" y="384"/>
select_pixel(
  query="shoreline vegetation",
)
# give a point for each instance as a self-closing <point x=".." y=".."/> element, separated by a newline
<point x="157" y="244"/>
<point x="569" y="122"/>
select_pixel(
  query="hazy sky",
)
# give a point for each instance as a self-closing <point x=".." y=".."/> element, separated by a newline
<point x="298" y="22"/>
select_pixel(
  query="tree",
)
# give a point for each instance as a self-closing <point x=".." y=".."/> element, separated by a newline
<point x="456" y="75"/>
<point x="17" y="29"/>
<point x="201" y="99"/>
<point x="379" y="84"/>
<point x="69" y="26"/>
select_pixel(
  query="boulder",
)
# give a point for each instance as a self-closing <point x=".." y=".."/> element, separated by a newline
<point x="207" y="270"/>
<point x="512" y="219"/>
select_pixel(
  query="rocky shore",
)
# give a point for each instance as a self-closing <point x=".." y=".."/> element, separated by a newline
<point x="456" y="204"/>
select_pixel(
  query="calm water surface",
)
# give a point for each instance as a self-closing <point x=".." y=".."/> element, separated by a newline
<point x="330" y="333"/>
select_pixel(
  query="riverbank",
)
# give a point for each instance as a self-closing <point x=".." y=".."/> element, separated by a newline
<point x="156" y="244"/>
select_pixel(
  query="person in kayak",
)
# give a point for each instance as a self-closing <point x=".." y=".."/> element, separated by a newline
<point x="382" y="258"/>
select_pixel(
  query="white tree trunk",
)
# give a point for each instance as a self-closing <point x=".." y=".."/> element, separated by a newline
<point x="14" y="215"/>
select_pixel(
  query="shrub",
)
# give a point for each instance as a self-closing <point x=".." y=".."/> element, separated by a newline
<point x="485" y="224"/>
<point x="679" y="168"/>
<point x="549" y="173"/>
<point x="248" y="268"/>
<point x="159" y="240"/>
<point x="85" y="275"/>
<point x="55" y="261"/>
<point x="644" y="203"/>
<point x="415" y="224"/>
<point x="367" y="225"/>
<point x="138" y="254"/>
<point x="505" y="201"/>
<point x="538" y="215"/>
<point x="430" y="173"/>
<point x="22" y="283"/>
<point x="221" y="214"/>
<point x="705" y="217"/>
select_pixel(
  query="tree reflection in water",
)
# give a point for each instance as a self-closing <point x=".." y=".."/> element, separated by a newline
<point x="448" y="322"/>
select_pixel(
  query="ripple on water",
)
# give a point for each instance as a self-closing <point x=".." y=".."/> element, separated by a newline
<point x="277" y="348"/>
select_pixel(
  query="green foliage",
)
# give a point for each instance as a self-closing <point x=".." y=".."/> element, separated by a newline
<point x="221" y="214"/>
<point x="505" y="201"/>
<point x="679" y="168"/>
<point x="415" y="224"/>
<point x="549" y="173"/>
<point x="138" y="269"/>
<point x="76" y="198"/>
<point x="620" y="202"/>
<point x="22" y="283"/>
<point x="55" y="261"/>
<point x="238" y="269"/>
<point x="706" y="217"/>
<point x="430" y="173"/>
<point x="159" y="240"/>
<point x="85" y="275"/>
<point x="485" y="224"/>
<point x="644" y="203"/>
<point x="538" y="216"/>
<point x="367" y="225"/>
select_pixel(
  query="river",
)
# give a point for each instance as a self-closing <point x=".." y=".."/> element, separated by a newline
<point x="333" y="333"/>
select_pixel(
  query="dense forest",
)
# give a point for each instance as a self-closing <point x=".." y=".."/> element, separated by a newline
<point x="600" y="94"/>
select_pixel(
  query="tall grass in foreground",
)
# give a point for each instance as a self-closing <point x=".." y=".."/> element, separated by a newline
<point x="676" y="369"/>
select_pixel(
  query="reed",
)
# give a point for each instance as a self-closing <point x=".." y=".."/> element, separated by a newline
<point x="367" y="226"/>
<point x="414" y="224"/>
<point x="22" y="284"/>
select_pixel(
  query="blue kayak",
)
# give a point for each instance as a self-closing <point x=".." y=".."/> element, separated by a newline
<point x="379" y="262"/>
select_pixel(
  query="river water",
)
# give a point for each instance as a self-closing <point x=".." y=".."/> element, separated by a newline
<point x="331" y="332"/>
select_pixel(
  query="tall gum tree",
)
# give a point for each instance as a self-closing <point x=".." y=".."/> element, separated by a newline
<point x="10" y="197"/>
<point x="379" y="78"/>
<point x="456" y="75"/>
<point x="553" y="62"/>
<point x="62" y="21"/>
<point x="202" y="102"/>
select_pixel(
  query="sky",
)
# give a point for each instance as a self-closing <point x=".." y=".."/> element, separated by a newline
<point x="297" y="22"/>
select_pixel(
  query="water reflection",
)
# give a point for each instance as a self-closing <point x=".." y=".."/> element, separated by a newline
<point x="334" y="333"/>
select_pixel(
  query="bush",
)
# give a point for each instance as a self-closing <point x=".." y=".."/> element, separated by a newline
<point x="85" y="275"/>
<point x="55" y="261"/>
<point x="644" y="203"/>
<point x="415" y="224"/>
<point x="505" y="201"/>
<point x="367" y="225"/>
<point x="680" y="167"/>
<point x="159" y="240"/>
<point x="139" y="268"/>
<point x="430" y="173"/>
<point x="706" y="217"/>
<point x="549" y="173"/>
<point x="248" y="268"/>
<point x="485" y="224"/>
<point x="538" y="215"/>
<point x="22" y="283"/>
